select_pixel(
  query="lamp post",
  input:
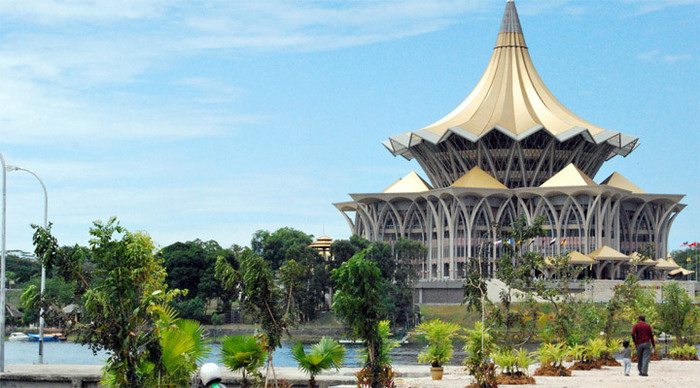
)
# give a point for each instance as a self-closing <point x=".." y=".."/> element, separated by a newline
<point x="2" y="264"/>
<point x="42" y="287"/>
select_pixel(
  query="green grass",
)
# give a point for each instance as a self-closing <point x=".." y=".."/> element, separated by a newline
<point x="450" y="313"/>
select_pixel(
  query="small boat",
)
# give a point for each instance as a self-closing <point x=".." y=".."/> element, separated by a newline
<point x="47" y="337"/>
<point x="19" y="337"/>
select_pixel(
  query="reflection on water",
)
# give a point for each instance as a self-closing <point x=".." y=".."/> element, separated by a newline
<point x="72" y="353"/>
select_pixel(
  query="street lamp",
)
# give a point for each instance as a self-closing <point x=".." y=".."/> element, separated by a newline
<point x="2" y="264"/>
<point x="42" y="287"/>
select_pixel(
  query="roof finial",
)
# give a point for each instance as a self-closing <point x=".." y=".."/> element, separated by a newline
<point x="510" y="22"/>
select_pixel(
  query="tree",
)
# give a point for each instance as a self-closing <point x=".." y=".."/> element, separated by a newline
<point x="343" y="250"/>
<point x="515" y="268"/>
<point x="282" y="244"/>
<point x="358" y="302"/>
<point x="191" y="266"/>
<point x="263" y="300"/>
<point x="677" y="314"/>
<point x="122" y="289"/>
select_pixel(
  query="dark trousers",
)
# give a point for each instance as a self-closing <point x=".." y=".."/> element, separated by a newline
<point x="643" y="356"/>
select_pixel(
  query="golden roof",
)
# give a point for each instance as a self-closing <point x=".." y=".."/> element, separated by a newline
<point x="575" y="257"/>
<point x="411" y="183"/>
<point x="477" y="178"/>
<point x="618" y="180"/>
<point x="512" y="98"/>
<point x="569" y="176"/>
<point x="322" y="242"/>
<point x="681" y="271"/>
<point x="637" y="258"/>
<point x="607" y="253"/>
<point x="667" y="264"/>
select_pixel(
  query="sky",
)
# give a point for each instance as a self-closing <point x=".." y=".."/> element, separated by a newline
<point x="213" y="119"/>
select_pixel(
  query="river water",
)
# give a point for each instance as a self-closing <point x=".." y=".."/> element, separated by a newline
<point x="72" y="353"/>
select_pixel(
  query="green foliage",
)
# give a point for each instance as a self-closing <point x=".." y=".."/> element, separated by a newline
<point x="478" y="346"/>
<point x="23" y="269"/>
<point x="302" y="270"/>
<point x="685" y="352"/>
<point x="217" y="319"/>
<point x="512" y="361"/>
<point x="358" y="302"/>
<point x="551" y="354"/>
<point x="261" y="298"/>
<point x="677" y="314"/>
<point x="243" y="352"/>
<point x="439" y="335"/>
<point x="191" y="308"/>
<point x="282" y="244"/>
<point x="326" y="354"/>
<point x="120" y="286"/>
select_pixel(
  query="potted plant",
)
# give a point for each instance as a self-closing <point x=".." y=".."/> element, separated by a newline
<point x="439" y="335"/>
<point x="326" y="354"/>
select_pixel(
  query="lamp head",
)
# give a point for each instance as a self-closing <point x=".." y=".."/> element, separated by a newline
<point x="11" y="168"/>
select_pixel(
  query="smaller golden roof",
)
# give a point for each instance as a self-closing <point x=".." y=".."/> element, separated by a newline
<point x="411" y="183"/>
<point x="575" y="257"/>
<point x="569" y="176"/>
<point x="618" y="180"/>
<point x="681" y="271"/>
<point x="477" y="178"/>
<point x="607" y="253"/>
<point x="666" y="264"/>
<point x="638" y="259"/>
<point x="323" y="242"/>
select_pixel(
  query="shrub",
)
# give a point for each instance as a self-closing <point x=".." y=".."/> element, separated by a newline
<point x="439" y="335"/>
<point x="217" y="319"/>
<point x="685" y="352"/>
<point x="245" y="353"/>
<point x="551" y="358"/>
<point x="326" y="354"/>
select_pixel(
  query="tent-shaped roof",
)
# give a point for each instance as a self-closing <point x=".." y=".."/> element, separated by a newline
<point x="637" y="258"/>
<point x="666" y="264"/>
<point x="411" y="183"/>
<point x="479" y="179"/>
<point x="512" y="98"/>
<point x="576" y="257"/>
<point x="607" y="253"/>
<point x="569" y="176"/>
<point x="618" y="180"/>
<point x="681" y="271"/>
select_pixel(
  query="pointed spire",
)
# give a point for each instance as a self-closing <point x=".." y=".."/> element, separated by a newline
<point x="510" y="22"/>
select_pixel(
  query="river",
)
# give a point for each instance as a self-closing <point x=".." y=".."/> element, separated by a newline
<point x="72" y="353"/>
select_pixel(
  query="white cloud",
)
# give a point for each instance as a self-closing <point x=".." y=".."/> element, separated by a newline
<point x="656" y="56"/>
<point x="54" y="11"/>
<point x="649" y="6"/>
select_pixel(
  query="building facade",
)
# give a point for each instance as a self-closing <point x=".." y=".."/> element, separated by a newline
<point x="511" y="149"/>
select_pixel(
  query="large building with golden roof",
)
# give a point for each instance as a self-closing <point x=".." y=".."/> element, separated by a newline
<point x="511" y="149"/>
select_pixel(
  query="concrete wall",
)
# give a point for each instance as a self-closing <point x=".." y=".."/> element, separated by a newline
<point x="452" y="292"/>
<point x="602" y="290"/>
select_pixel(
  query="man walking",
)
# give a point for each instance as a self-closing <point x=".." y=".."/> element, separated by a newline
<point x="643" y="339"/>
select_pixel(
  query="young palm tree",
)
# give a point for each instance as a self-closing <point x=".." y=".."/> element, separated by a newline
<point x="324" y="355"/>
<point x="243" y="352"/>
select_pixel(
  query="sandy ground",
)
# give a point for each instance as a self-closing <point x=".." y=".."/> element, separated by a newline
<point x="662" y="374"/>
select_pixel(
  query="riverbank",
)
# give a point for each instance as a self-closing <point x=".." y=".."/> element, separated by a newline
<point x="662" y="374"/>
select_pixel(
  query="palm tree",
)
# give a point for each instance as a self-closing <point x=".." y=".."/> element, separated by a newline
<point x="243" y="352"/>
<point x="324" y="355"/>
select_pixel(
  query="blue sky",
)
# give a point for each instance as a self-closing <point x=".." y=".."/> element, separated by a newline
<point x="211" y="120"/>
